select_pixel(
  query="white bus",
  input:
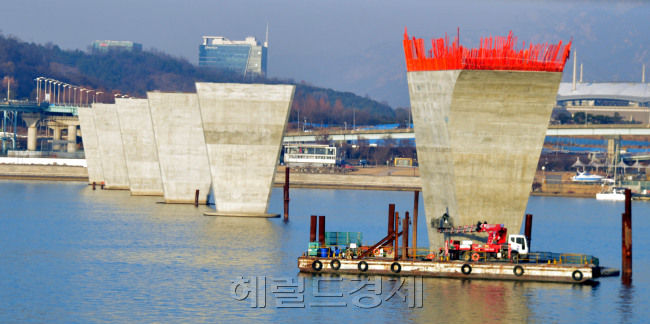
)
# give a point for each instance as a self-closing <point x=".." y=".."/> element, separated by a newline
<point x="309" y="154"/>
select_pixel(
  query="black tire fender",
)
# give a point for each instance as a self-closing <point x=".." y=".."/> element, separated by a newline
<point x="577" y="275"/>
<point x="335" y="264"/>
<point x="317" y="265"/>
<point x="466" y="269"/>
<point x="362" y="266"/>
<point x="518" y="270"/>
<point x="395" y="267"/>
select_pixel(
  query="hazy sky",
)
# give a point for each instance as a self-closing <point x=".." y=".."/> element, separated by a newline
<point x="352" y="45"/>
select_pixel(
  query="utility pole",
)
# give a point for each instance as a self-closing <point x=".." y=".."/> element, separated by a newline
<point x="575" y="62"/>
<point x="8" y="79"/>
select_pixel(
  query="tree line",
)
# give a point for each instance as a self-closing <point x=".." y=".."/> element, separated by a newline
<point x="135" y="73"/>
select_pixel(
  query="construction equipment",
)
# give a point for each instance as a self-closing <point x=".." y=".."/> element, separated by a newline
<point x="499" y="246"/>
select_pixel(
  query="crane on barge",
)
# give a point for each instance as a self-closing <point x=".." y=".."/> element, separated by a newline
<point x="500" y="246"/>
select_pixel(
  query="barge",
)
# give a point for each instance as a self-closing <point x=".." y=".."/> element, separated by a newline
<point x="568" y="273"/>
<point x="503" y="257"/>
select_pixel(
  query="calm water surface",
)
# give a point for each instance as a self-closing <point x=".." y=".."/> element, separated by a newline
<point x="71" y="254"/>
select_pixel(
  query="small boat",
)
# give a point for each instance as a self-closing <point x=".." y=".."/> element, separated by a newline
<point x="585" y="176"/>
<point x="644" y="195"/>
<point x="613" y="193"/>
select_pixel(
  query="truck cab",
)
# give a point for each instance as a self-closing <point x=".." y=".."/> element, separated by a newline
<point x="519" y="244"/>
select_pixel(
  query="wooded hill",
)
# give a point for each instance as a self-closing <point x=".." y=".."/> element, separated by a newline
<point x="135" y="73"/>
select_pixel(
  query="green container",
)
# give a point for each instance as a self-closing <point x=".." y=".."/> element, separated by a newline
<point x="331" y="238"/>
<point x="313" y="249"/>
<point x="343" y="238"/>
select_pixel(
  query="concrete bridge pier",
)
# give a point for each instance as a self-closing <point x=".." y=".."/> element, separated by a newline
<point x="180" y="143"/>
<point x="139" y="144"/>
<point x="32" y="119"/>
<point x="32" y="138"/>
<point x="72" y="138"/>
<point x="91" y="145"/>
<point x="243" y="126"/>
<point x="73" y="127"/>
<point x="479" y="134"/>
<point x="56" y="134"/>
<point x="111" y="149"/>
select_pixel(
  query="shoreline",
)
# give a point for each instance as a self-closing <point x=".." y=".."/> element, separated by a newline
<point x="43" y="172"/>
<point x="370" y="178"/>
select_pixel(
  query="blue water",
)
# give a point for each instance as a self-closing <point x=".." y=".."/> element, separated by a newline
<point x="70" y="254"/>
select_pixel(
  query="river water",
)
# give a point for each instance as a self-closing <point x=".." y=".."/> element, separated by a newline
<point x="70" y="254"/>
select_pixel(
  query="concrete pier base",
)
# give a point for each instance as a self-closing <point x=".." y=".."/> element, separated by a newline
<point x="241" y="215"/>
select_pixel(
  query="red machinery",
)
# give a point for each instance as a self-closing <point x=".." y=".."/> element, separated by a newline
<point x="497" y="247"/>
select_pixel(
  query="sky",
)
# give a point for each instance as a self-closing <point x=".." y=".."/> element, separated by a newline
<point x="348" y="45"/>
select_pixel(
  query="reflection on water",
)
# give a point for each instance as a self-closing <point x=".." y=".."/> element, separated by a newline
<point x="625" y="302"/>
<point x="71" y="254"/>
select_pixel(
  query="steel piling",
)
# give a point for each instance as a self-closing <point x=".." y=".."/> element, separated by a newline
<point x="626" y="256"/>
<point x="321" y="230"/>
<point x="416" y="196"/>
<point x="312" y="228"/>
<point x="286" y="194"/>
<point x="528" y="228"/>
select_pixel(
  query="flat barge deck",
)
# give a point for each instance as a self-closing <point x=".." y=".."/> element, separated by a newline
<point x="567" y="273"/>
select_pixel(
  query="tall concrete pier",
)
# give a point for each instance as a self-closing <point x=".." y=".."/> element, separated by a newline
<point x="72" y="138"/>
<point x="91" y="145"/>
<point x="479" y="134"/>
<point x="243" y="126"/>
<point x="139" y="147"/>
<point x="180" y="142"/>
<point x="111" y="148"/>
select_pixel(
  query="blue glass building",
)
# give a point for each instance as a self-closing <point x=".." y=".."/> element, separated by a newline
<point x="246" y="57"/>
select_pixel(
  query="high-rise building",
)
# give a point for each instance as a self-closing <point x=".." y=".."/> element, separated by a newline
<point x="102" y="46"/>
<point x="246" y="57"/>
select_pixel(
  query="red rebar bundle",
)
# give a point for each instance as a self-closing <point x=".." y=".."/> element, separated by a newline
<point x="498" y="53"/>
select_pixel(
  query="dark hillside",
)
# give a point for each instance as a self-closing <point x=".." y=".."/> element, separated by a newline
<point x="135" y="73"/>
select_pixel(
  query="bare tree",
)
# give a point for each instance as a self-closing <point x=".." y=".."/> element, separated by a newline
<point x="382" y="152"/>
<point x="405" y="148"/>
<point x="363" y="145"/>
<point x="323" y="137"/>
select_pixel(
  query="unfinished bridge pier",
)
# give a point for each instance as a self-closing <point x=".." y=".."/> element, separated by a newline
<point x="111" y="150"/>
<point x="182" y="154"/>
<point x="139" y="144"/>
<point x="91" y="145"/>
<point x="243" y="126"/>
<point x="480" y="118"/>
